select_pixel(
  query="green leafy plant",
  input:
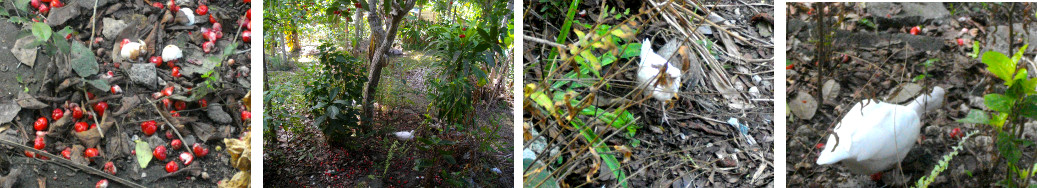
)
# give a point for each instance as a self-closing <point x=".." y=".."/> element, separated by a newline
<point x="466" y="54"/>
<point x="1009" y="110"/>
<point x="334" y="93"/>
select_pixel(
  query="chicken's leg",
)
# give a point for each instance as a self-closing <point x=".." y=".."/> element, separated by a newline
<point x="665" y="120"/>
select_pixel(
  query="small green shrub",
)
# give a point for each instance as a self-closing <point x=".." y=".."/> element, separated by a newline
<point x="334" y="93"/>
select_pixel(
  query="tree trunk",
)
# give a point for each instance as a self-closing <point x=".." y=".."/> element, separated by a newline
<point x="383" y="39"/>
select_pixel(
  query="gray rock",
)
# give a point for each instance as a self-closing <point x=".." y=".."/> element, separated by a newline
<point x="8" y="109"/>
<point x="830" y="91"/>
<point x="89" y="4"/>
<point x="909" y="14"/>
<point x="112" y="27"/>
<point x="144" y="74"/>
<point x="903" y="92"/>
<point x="217" y="114"/>
<point x="59" y="16"/>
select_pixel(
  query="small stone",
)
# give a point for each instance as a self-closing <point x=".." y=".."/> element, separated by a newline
<point x="144" y="74"/>
<point x="111" y="28"/>
<point x="216" y="113"/>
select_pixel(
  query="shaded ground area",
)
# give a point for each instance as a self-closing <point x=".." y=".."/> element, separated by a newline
<point x="300" y="156"/>
<point x="873" y="54"/>
<point x="727" y="76"/>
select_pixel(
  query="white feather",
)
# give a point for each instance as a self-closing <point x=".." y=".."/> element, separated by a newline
<point x="873" y="136"/>
<point x="650" y="67"/>
<point x="404" y="135"/>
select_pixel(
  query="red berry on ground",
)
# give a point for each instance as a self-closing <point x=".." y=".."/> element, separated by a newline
<point x="124" y="42"/>
<point x="35" y="4"/>
<point x="248" y="14"/>
<point x="200" y="150"/>
<point x="176" y="72"/>
<point x="30" y="154"/>
<point x="174" y="114"/>
<point x="57" y="114"/>
<point x="81" y="126"/>
<point x="109" y="167"/>
<point x="167" y="103"/>
<point x="148" y="127"/>
<point x="67" y="153"/>
<point x="44" y="9"/>
<point x="100" y="107"/>
<point x="246" y="115"/>
<point x="955" y="133"/>
<point x="90" y="153"/>
<point x="40" y="124"/>
<point x="77" y="112"/>
<point x="160" y="153"/>
<point x="246" y="35"/>
<point x="157" y="5"/>
<point x="102" y="184"/>
<point x="915" y="30"/>
<point x="202" y="10"/>
<point x="39" y="143"/>
<point x="169" y="134"/>
<point x="172" y="167"/>
<point x="207" y="46"/>
<point x="157" y="60"/>
<point x="961" y="42"/>
<point x="167" y="91"/>
<point x="176" y="143"/>
<point x="116" y="89"/>
<point x="91" y="96"/>
<point x="203" y="103"/>
<point x="212" y="19"/>
<point x="56" y="4"/>
<point x="820" y="146"/>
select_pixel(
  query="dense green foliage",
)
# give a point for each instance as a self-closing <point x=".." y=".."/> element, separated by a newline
<point x="334" y="92"/>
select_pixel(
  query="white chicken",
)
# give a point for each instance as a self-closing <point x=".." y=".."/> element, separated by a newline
<point x="404" y="135"/>
<point x="660" y="79"/>
<point x="873" y="136"/>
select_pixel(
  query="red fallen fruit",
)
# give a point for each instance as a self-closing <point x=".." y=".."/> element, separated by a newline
<point x="116" y="89"/>
<point x="35" y="4"/>
<point x="820" y="146"/>
<point x="176" y="72"/>
<point x="915" y="30"/>
<point x="201" y="10"/>
<point x="157" y="5"/>
<point x="160" y="153"/>
<point x="166" y="103"/>
<point x="77" y="112"/>
<point x="961" y="42"/>
<point x="109" y="167"/>
<point x="167" y="91"/>
<point x="68" y="36"/>
<point x="57" y="114"/>
<point x="56" y="4"/>
<point x="30" y="154"/>
<point x="169" y="135"/>
<point x="92" y="125"/>
<point x="42" y="157"/>
<point x="246" y="1"/>
<point x="174" y="114"/>
<point x="81" y="126"/>
<point x="955" y="133"/>
<point x="39" y="143"/>
<point x="246" y="35"/>
<point x="67" y="153"/>
<point x="248" y="14"/>
<point x="44" y="9"/>
<point x="246" y="115"/>
<point x="91" y="96"/>
<point x="200" y="150"/>
<point x="157" y="60"/>
<point x="212" y="19"/>
<point x="179" y="105"/>
<point x="90" y="153"/>
<point x="102" y="184"/>
<point x="172" y="167"/>
<point x="148" y="127"/>
<point x="203" y="103"/>
<point x="40" y="124"/>
<point x="100" y="107"/>
<point x="186" y="158"/>
<point x="176" y="144"/>
<point x="217" y="27"/>
<point x="207" y="46"/>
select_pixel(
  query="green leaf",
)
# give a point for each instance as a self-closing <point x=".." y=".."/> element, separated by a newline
<point x="998" y="102"/>
<point x="229" y="49"/>
<point x="630" y="50"/>
<point x="83" y="60"/>
<point x="22" y="5"/>
<point x="143" y="150"/>
<point x="99" y="84"/>
<point x="541" y="99"/>
<point x="1019" y="54"/>
<point x="41" y="30"/>
<point x="1000" y="65"/>
<point x="976" y="116"/>
<point x="1029" y="107"/>
<point x="975" y="49"/>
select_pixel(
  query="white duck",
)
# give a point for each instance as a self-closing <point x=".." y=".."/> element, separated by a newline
<point x="660" y="79"/>
<point x="873" y="136"/>
<point x="404" y="135"/>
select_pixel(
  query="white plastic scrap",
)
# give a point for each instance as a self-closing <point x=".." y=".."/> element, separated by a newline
<point x="742" y="129"/>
